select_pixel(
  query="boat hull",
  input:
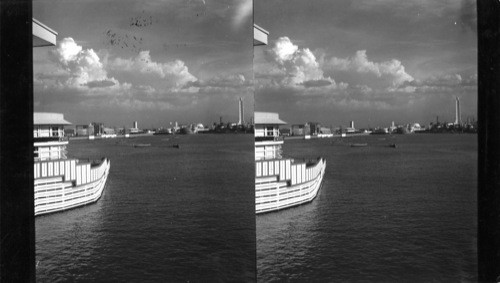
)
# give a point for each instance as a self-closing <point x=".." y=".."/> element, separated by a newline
<point x="71" y="185"/>
<point x="286" y="184"/>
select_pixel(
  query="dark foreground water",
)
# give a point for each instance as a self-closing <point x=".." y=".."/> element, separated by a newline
<point x="405" y="214"/>
<point x="166" y="214"/>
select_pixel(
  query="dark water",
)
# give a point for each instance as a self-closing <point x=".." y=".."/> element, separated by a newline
<point x="167" y="214"/>
<point x="405" y="214"/>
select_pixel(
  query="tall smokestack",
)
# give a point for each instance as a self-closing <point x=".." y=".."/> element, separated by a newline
<point x="241" y="120"/>
<point x="458" y="119"/>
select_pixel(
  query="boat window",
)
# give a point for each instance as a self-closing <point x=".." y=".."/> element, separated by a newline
<point x="55" y="131"/>
<point x="269" y="131"/>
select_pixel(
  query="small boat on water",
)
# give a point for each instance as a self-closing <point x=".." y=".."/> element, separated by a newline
<point x="142" y="145"/>
<point x="176" y="146"/>
<point x="393" y="145"/>
<point x="359" y="144"/>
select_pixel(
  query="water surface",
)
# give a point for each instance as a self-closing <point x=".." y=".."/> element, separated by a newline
<point x="382" y="215"/>
<point x="166" y="214"/>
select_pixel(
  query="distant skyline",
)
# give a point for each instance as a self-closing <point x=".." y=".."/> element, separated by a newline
<point x="367" y="61"/>
<point x="151" y="61"/>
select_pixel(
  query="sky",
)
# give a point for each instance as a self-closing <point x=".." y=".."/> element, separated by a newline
<point x="367" y="61"/>
<point x="154" y="61"/>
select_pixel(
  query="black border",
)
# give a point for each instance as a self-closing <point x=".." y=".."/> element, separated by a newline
<point x="488" y="244"/>
<point x="17" y="224"/>
<point x="17" y="235"/>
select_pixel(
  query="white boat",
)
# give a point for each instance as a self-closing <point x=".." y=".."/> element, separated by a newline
<point x="281" y="182"/>
<point x="62" y="183"/>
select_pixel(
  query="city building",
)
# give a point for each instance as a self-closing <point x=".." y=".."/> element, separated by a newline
<point x="297" y="130"/>
<point x="84" y="130"/>
<point x="109" y="131"/>
<point x="351" y="128"/>
<point x="98" y="128"/>
<point x="325" y="131"/>
<point x="135" y="128"/>
<point x="393" y="127"/>
<point x="416" y="127"/>
<point x="69" y="132"/>
<point x="307" y="129"/>
<point x="311" y="128"/>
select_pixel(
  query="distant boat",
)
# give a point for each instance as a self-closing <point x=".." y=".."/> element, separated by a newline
<point x="142" y="145"/>
<point x="359" y="144"/>
<point x="176" y="146"/>
<point x="393" y="145"/>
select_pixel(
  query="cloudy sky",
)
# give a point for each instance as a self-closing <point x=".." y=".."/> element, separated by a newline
<point x="154" y="61"/>
<point x="371" y="61"/>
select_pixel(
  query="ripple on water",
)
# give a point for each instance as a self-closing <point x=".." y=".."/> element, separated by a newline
<point x="382" y="214"/>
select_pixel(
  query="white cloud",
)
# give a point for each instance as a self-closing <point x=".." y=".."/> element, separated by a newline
<point x="140" y="105"/>
<point x="444" y="80"/>
<point x="83" y="69"/>
<point x="392" y="71"/>
<point x="296" y="74"/>
<point x="284" y="50"/>
<point x="174" y="73"/>
<point x="67" y="50"/>
<point x="74" y="74"/>
<point x="354" y="104"/>
<point x="222" y="86"/>
<point x="444" y="83"/>
<point x="396" y="70"/>
<point x="79" y="68"/>
<point x="294" y="66"/>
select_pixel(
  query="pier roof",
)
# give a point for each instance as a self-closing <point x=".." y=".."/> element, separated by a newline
<point x="268" y="118"/>
<point x="259" y="35"/>
<point x="45" y="118"/>
<point x="43" y="35"/>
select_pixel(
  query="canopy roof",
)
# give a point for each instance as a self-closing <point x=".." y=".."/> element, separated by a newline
<point x="43" y="35"/>
<point x="44" y="118"/>
<point x="268" y="118"/>
<point x="259" y="35"/>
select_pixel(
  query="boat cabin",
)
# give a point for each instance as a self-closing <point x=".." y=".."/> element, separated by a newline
<point x="48" y="135"/>
<point x="267" y="135"/>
